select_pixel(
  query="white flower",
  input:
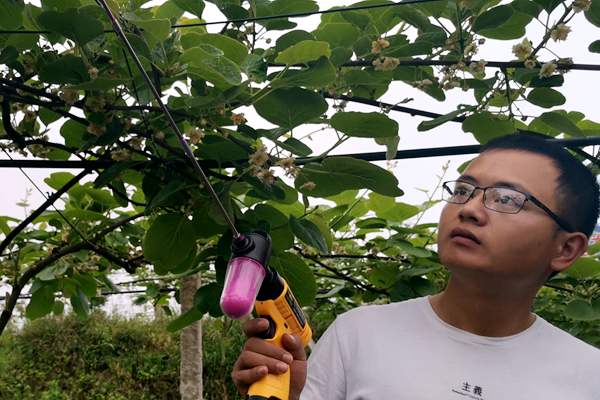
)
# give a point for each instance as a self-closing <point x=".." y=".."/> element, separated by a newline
<point x="385" y="63"/>
<point x="93" y="72"/>
<point x="136" y="143"/>
<point x="477" y="67"/>
<point x="69" y="96"/>
<point x="560" y="32"/>
<point x="95" y="103"/>
<point x="259" y="157"/>
<point x="470" y="49"/>
<point x="266" y="176"/>
<point x="120" y="155"/>
<point x="238" y="119"/>
<point x="96" y="130"/>
<point x="378" y="45"/>
<point x="581" y="5"/>
<point x="423" y="84"/>
<point x="523" y="49"/>
<point x="547" y="70"/>
<point x="530" y="64"/>
<point x="195" y="135"/>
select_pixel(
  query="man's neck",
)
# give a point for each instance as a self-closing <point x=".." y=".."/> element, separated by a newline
<point x="482" y="311"/>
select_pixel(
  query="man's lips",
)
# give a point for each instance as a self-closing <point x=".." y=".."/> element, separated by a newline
<point x="464" y="233"/>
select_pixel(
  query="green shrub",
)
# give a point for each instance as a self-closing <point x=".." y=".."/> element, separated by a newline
<point x="110" y="358"/>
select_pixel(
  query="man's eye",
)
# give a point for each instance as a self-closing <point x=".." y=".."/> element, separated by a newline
<point x="459" y="191"/>
<point x="504" y="199"/>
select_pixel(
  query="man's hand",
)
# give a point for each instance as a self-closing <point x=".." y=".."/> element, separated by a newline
<point x="260" y="357"/>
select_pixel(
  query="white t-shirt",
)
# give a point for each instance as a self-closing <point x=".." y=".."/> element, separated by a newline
<point x="404" y="351"/>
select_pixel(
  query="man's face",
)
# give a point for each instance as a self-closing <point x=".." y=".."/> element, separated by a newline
<point x="514" y="246"/>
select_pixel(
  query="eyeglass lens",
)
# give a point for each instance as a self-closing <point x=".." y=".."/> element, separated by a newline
<point x="496" y="198"/>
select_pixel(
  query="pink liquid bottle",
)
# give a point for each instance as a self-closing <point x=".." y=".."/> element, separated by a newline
<point x="245" y="273"/>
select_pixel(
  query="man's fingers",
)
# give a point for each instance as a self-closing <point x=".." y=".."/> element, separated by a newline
<point x="249" y="360"/>
<point x="293" y="344"/>
<point x="246" y="377"/>
<point x="260" y="346"/>
<point x="255" y="326"/>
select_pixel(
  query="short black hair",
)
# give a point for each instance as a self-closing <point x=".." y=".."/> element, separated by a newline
<point x="577" y="188"/>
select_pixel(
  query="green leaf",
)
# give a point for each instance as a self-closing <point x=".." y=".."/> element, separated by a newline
<point x="308" y="233"/>
<point x="192" y="6"/>
<point x="296" y="147"/>
<point x="584" y="268"/>
<point x="298" y="275"/>
<point x="289" y="108"/>
<point x="220" y="149"/>
<point x="594" y="47"/>
<point x="408" y="248"/>
<point x="210" y="64"/>
<point x="358" y="124"/>
<point x="57" y="180"/>
<point x="317" y="75"/>
<point x="593" y="14"/>
<point x="581" y="310"/>
<point x="486" y="126"/>
<point x="546" y="97"/>
<point x="275" y="222"/>
<point x="514" y="28"/>
<point x="561" y="123"/>
<point x="169" y="239"/>
<point x="185" y="319"/>
<point x="74" y="133"/>
<point x="167" y="194"/>
<point x="154" y="30"/>
<point x="41" y="303"/>
<point x="11" y="14"/>
<point x="80" y="303"/>
<point x="206" y="299"/>
<point x="336" y="174"/>
<point x="442" y="119"/>
<point x="303" y="52"/>
<point x="231" y="48"/>
<point x="78" y="26"/>
<point x="391" y="144"/>
<point x="8" y="55"/>
<point x="387" y="208"/>
<point x="492" y="18"/>
<point x="67" y="69"/>
<point x="338" y="34"/>
<point x="4" y="227"/>
<point x="527" y="7"/>
<point x="291" y="38"/>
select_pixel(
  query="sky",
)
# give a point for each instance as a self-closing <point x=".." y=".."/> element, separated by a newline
<point x="414" y="174"/>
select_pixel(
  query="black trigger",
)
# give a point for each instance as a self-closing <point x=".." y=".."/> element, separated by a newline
<point x="269" y="333"/>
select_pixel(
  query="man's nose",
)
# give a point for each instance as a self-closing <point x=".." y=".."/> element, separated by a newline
<point x="474" y="210"/>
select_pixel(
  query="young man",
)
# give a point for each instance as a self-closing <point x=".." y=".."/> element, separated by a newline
<point x="522" y="211"/>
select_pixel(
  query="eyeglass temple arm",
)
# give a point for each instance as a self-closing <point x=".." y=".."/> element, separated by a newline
<point x="561" y="222"/>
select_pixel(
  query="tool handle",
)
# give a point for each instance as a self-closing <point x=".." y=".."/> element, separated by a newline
<point x="285" y="316"/>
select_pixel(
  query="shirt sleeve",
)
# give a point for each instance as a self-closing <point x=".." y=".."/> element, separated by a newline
<point x="326" y="379"/>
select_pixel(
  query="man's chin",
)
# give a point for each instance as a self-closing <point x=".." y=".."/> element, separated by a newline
<point x="465" y="262"/>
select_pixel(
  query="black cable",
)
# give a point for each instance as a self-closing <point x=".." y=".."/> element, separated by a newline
<point x="162" y="290"/>
<point x="252" y="19"/>
<point x="490" y="64"/>
<point x="374" y="156"/>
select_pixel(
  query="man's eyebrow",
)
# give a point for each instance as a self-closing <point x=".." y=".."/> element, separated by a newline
<point x="512" y="185"/>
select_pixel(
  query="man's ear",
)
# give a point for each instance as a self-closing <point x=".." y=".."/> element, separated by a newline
<point x="570" y="246"/>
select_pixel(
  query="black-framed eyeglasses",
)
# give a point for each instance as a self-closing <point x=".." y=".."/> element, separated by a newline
<point x="497" y="198"/>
